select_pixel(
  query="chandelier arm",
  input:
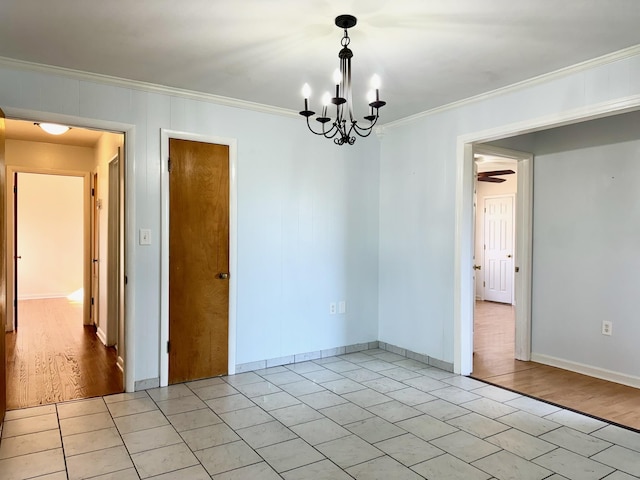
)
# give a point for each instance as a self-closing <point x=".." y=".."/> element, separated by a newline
<point x="368" y="128"/>
<point x="360" y="131"/>
<point x="325" y="133"/>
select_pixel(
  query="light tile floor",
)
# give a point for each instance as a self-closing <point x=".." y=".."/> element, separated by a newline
<point x="369" y="415"/>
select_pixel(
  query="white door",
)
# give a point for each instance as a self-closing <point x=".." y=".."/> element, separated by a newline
<point x="498" y="249"/>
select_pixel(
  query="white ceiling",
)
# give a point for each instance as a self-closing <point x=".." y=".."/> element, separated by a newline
<point x="428" y="52"/>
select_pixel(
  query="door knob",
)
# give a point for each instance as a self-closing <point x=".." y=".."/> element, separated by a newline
<point x="223" y="276"/>
<point x="477" y="267"/>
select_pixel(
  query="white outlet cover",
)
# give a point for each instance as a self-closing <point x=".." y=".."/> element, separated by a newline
<point x="145" y="236"/>
<point x="342" y="307"/>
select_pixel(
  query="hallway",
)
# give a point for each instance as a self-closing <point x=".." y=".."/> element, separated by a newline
<point x="54" y="358"/>
<point x="494" y="362"/>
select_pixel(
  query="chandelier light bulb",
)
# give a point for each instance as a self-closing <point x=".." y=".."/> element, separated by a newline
<point x="337" y="76"/>
<point x="375" y="82"/>
<point x="306" y="91"/>
<point x="371" y="96"/>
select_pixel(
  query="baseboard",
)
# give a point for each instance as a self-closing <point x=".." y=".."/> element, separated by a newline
<point x="304" y="357"/>
<point x="358" y="347"/>
<point x="589" y="370"/>
<point x="101" y="335"/>
<point x="146" y="384"/>
<point x="420" y="357"/>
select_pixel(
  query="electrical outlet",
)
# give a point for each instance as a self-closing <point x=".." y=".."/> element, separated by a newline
<point x="342" y="307"/>
<point x="607" y="327"/>
<point x="332" y="308"/>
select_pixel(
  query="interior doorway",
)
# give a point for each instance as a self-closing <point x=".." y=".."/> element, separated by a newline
<point x="501" y="323"/>
<point x="496" y="186"/>
<point x="54" y="348"/>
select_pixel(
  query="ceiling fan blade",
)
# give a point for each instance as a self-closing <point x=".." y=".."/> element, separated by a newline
<point x="493" y="173"/>
<point x="491" y="179"/>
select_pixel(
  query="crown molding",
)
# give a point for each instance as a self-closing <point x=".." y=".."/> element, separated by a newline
<point x="530" y="82"/>
<point x="262" y="108"/>
<point x="144" y="86"/>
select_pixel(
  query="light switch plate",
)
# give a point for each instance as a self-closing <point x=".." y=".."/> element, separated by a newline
<point x="145" y="236"/>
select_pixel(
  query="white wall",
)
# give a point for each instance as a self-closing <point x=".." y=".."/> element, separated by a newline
<point x="307" y="214"/>
<point x="48" y="156"/>
<point x="418" y="188"/>
<point x="317" y="223"/>
<point x="50" y="235"/>
<point x="585" y="242"/>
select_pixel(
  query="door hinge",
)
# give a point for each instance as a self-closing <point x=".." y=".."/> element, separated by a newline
<point x="168" y="346"/>
<point x="15" y="189"/>
<point x="484" y="284"/>
<point x="126" y="280"/>
<point x="92" y="301"/>
<point x="93" y="192"/>
<point x="169" y="165"/>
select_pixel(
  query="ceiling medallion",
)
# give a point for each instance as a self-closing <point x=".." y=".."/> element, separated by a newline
<point x="343" y="127"/>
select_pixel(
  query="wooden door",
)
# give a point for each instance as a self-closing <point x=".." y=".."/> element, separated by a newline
<point x="3" y="277"/>
<point x="498" y="245"/>
<point x="198" y="260"/>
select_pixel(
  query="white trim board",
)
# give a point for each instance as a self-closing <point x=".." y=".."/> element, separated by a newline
<point x="596" y="372"/>
<point x="258" y="107"/>
<point x="530" y="82"/>
<point x="165" y="135"/>
<point x="130" y="241"/>
<point x="145" y="86"/>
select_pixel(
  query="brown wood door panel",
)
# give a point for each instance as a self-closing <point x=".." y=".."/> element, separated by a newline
<point x="198" y="254"/>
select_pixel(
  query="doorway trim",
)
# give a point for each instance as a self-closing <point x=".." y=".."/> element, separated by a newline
<point x="523" y="245"/>
<point x="86" y="236"/>
<point x="127" y="193"/>
<point x="165" y="135"/>
<point x="464" y="294"/>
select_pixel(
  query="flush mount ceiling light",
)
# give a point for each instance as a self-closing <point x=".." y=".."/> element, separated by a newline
<point x="53" y="128"/>
<point x="343" y="127"/>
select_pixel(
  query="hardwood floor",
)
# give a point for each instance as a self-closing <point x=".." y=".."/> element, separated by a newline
<point x="494" y="362"/>
<point x="54" y="358"/>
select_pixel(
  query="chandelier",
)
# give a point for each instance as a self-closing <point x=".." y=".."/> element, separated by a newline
<point x="343" y="127"/>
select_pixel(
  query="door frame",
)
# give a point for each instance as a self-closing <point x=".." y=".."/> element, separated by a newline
<point x="165" y="135"/>
<point x="127" y="194"/>
<point x="464" y="294"/>
<point x="513" y="197"/>
<point x="86" y="237"/>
